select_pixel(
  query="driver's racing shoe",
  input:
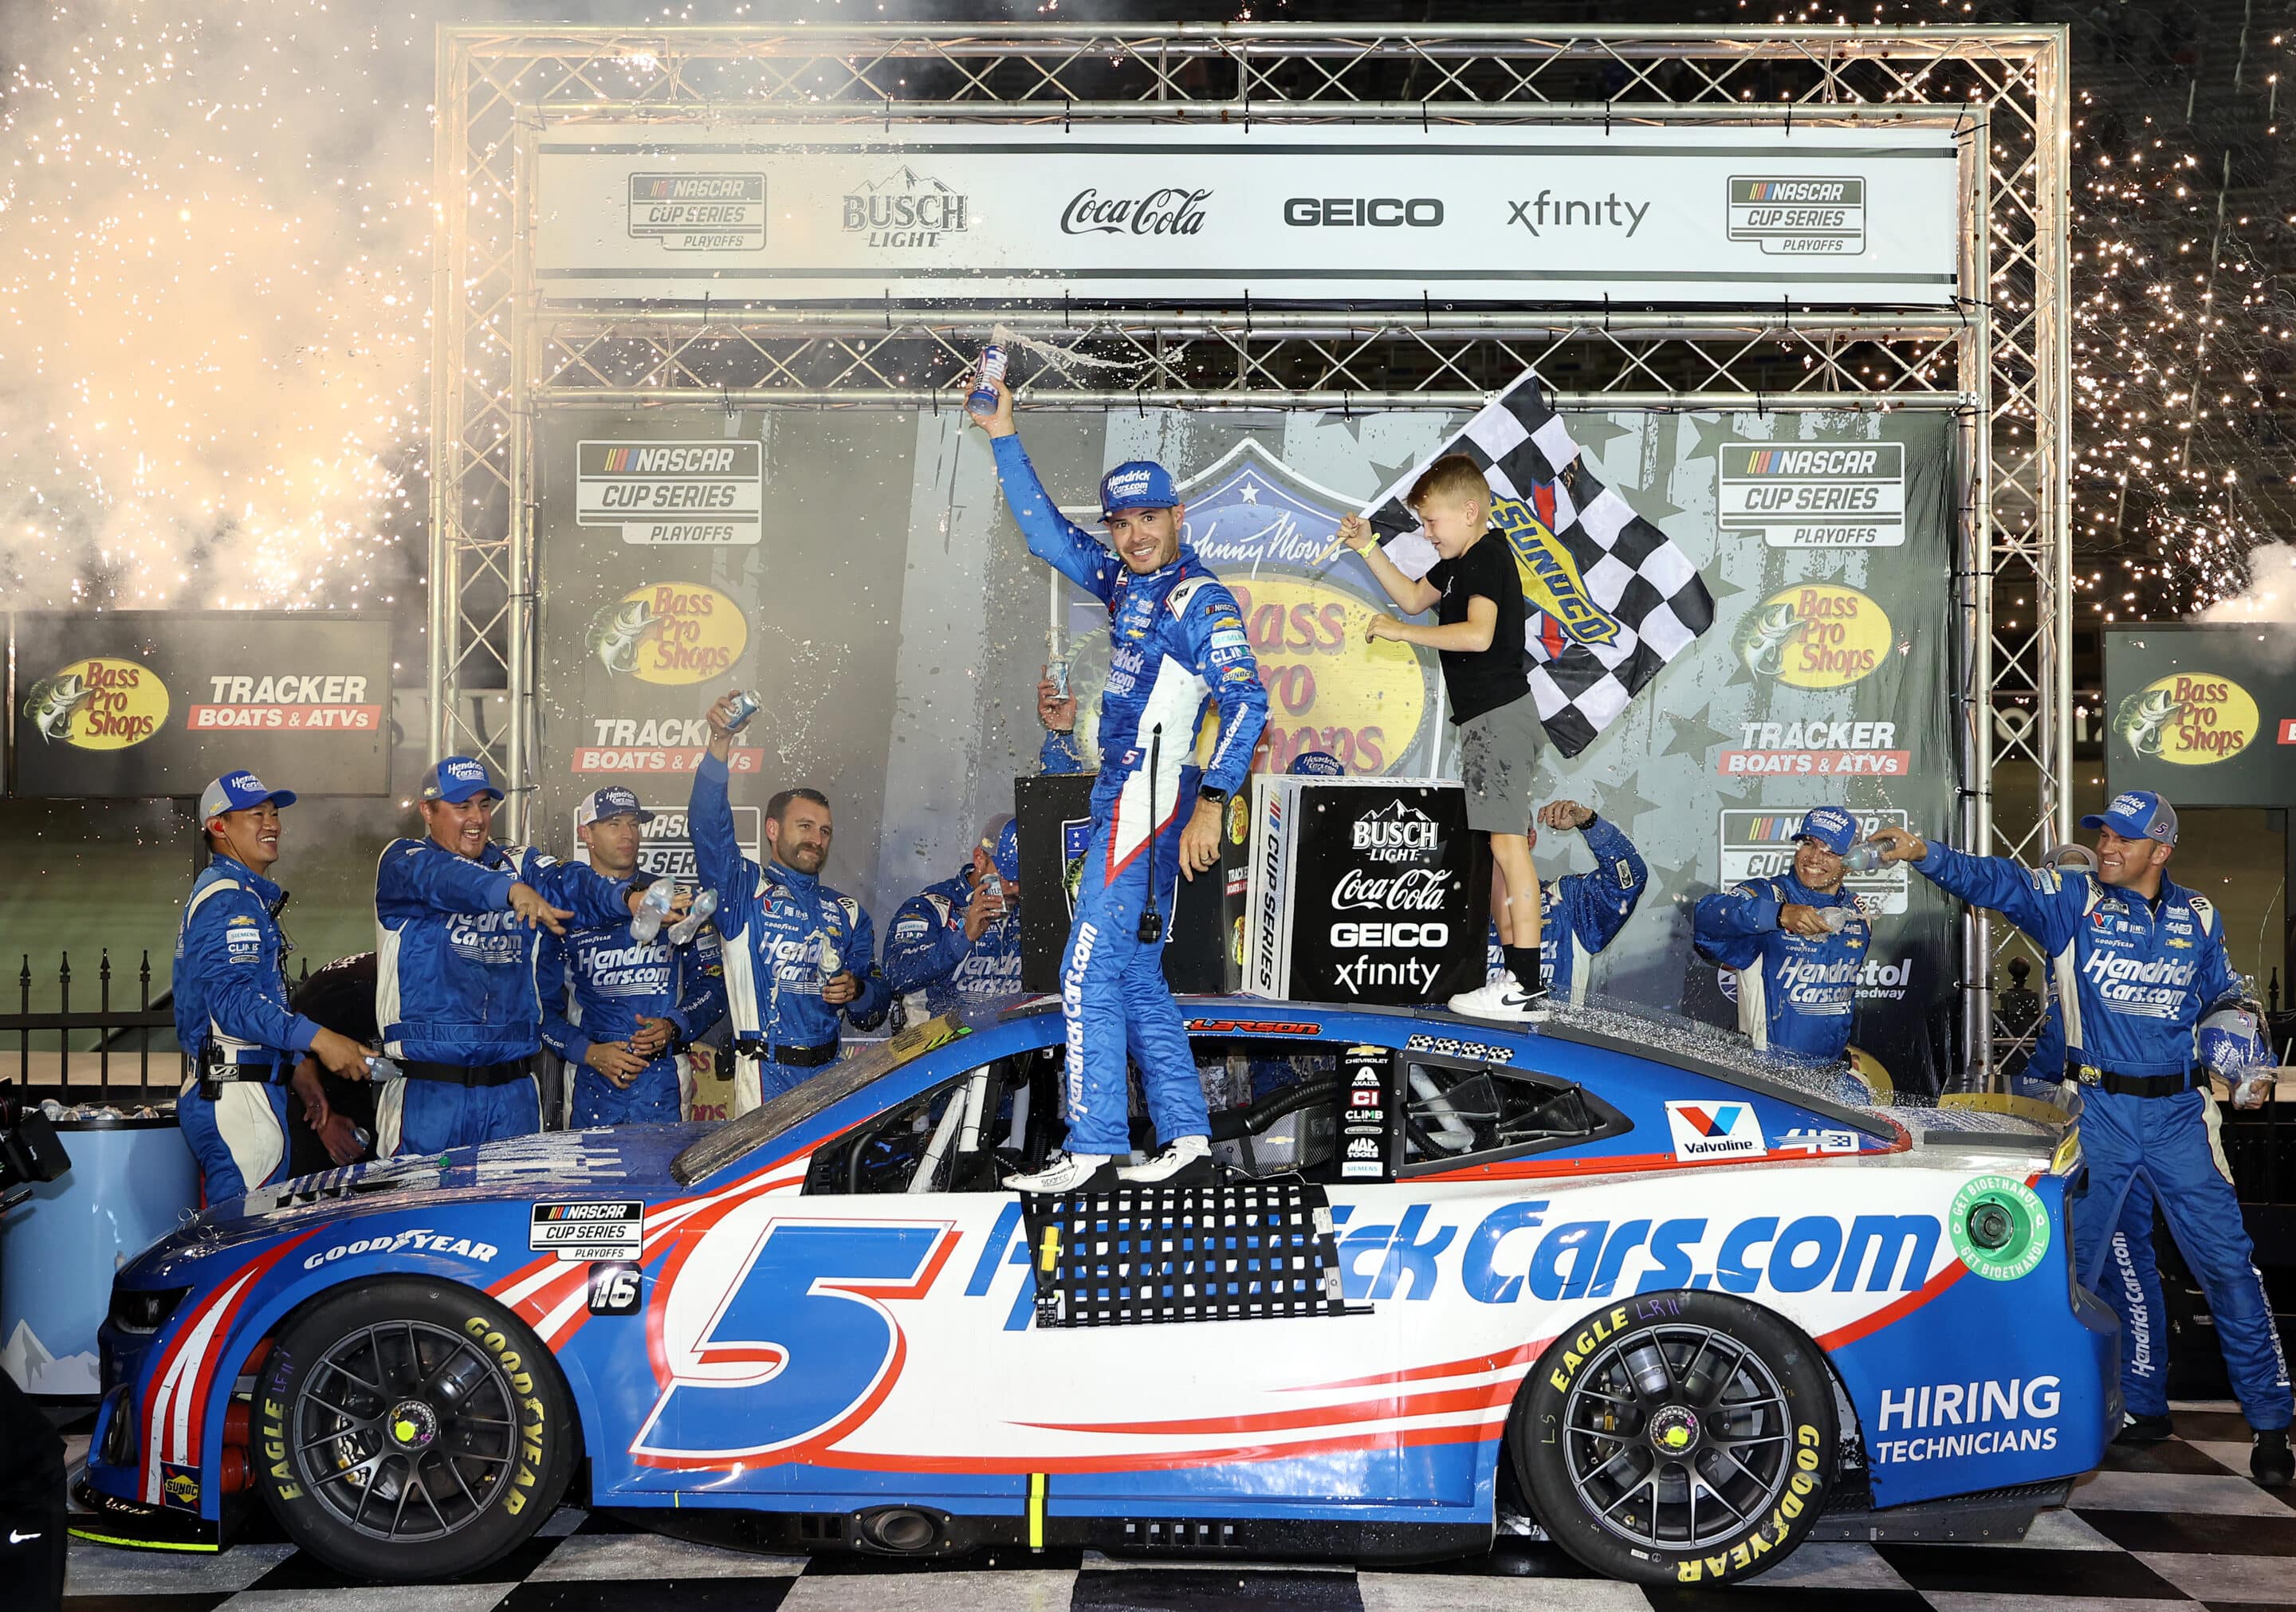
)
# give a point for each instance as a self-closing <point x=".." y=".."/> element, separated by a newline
<point x="1068" y="1173"/>
<point x="1505" y="1000"/>
<point x="2137" y="1429"/>
<point x="1185" y="1163"/>
<point x="2270" y="1461"/>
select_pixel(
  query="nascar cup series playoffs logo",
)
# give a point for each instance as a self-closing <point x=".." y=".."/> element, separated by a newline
<point x="1815" y="635"/>
<point x="98" y="704"/>
<point x="2191" y="719"/>
<point x="669" y="632"/>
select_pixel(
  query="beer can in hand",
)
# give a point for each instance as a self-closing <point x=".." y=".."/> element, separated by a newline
<point x="985" y="375"/>
<point x="747" y="703"/>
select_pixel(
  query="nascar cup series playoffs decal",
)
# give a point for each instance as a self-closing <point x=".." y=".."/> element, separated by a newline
<point x="576" y="1232"/>
<point x="2000" y="1228"/>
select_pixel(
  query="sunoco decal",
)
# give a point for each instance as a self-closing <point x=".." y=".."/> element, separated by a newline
<point x="1815" y="635"/>
<point x="672" y="492"/>
<point x="98" y="704"/>
<point x="1814" y="494"/>
<point x="2191" y="719"/>
<point x="669" y="632"/>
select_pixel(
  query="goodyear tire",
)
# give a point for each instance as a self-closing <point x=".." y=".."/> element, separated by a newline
<point x="410" y="1430"/>
<point x="1677" y="1438"/>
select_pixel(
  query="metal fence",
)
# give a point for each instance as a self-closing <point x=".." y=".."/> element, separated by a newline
<point x="111" y="1054"/>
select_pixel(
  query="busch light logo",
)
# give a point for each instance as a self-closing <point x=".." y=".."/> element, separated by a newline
<point x="1396" y="832"/>
<point x="906" y="209"/>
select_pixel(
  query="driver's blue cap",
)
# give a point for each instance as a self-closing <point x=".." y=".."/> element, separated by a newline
<point x="237" y="791"/>
<point x="1006" y="853"/>
<point x="456" y="779"/>
<point x="2137" y="814"/>
<point x="1317" y="764"/>
<point x="1137" y="484"/>
<point x="1831" y="827"/>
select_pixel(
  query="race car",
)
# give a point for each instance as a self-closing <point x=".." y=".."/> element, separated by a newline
<point x="1612" y="1280"/>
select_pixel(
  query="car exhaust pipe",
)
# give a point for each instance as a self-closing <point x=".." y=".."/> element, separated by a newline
<point x="900" y="1530"/>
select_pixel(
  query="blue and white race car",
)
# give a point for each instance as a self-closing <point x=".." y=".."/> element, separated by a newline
<point x="1604" y="1279"/>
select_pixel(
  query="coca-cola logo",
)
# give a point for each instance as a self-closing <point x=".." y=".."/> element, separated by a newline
<point x="1412" y="891"/>
<point x="1169" y="211"/>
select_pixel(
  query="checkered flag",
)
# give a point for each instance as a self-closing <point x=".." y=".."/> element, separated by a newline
<point x="1608" y="599"/>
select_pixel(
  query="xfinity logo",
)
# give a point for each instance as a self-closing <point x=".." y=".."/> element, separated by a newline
<point x="1168" y="211"/>
<point x="1396" y="832"/>
<point x="1543" y="212"/>
<point x="1359" y="212"/>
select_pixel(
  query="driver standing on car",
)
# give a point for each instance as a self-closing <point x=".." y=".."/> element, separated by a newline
<point x="1796" y="943"/>
<point x="2137" y="961"/>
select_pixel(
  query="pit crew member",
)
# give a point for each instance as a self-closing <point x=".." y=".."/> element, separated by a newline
<point x="1176" y="643"/>
<point x="621" y="1010"/>
<point x="800" y="959"/>
<point x="2137" y="961"/>
<point x="1797" y="978"/>
<point x="454" y="960"/>
<point x="1581" y="913"/>
<point x="232" y="1017"/>
<point x="961" y="937"/>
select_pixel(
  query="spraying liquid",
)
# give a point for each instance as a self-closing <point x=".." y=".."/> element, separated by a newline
<point x="1836" y="918"/>
<point x="686" y="928"/>
<point x="646" y="922"/>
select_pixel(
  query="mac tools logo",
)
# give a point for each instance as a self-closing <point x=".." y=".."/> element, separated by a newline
<point x="1396" y="833"/>
<point x="906" y="209"/>
<point x="1716" y="1130"/>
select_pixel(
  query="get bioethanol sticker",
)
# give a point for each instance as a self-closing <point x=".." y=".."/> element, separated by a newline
<point x="2000" y="1227"/>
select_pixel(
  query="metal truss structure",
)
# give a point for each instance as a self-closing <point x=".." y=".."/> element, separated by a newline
<point x="1999" y="359"/>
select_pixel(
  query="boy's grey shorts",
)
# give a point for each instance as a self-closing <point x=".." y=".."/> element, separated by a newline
<point x="1497" y="753"/>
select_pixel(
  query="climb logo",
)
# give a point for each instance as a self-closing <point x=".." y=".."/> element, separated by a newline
<point x="1716" y="1130"/>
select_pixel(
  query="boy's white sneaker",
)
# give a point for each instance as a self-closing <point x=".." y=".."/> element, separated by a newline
<point x="1504" y="999"/>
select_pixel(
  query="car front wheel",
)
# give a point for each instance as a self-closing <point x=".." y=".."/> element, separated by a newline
<point x="408" y="1430"/>
<point x="1677" y="1438"/>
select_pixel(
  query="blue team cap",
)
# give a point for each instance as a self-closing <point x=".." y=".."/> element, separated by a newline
<point x="1317" y="764"/>
<point x="456" y="779"/>
<point x="237" y="791"/>
<point x="1006" y="851"/>
<point x="1137" y="484"/>
<point x="613" y="801"/>
<point x="1831" y="827"/>
<point x="2137" y="814"/>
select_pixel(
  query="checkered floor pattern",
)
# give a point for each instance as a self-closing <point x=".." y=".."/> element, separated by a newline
<point x="2175" y="1522"/>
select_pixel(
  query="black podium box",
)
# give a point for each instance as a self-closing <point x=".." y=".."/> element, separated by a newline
<point x="1204" y="949"/>
<point x="1364" y="889"/>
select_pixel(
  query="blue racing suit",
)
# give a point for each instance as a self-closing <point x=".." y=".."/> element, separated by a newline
<point x="596" y="985"/>
<point x="1176" y="643"/>
<point x="1580" y="913"/>
<point x="782" y="930"/>
<point x="926" y="950"/>
<point x="1796" y="994"/>
<point x="1060" y="753"/>
<point x="454" y="989"/>
<point x="2129" y="980"/>
<point x="231" y="1009"/>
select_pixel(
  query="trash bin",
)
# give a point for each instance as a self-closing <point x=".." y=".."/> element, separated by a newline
<point x="131" y="1180"/>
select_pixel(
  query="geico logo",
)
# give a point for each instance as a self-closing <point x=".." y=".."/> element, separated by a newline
<point x="426" y="1242"/>
<point x="1391" y="934"/>
<point x="1952" y="1404"/>
<point x="2106" y="969"/>
<point x="1350" y="212"/>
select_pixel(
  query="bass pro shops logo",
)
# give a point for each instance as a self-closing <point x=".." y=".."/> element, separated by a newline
<point x="2191" y="719"/>
<point x="98" y="704"/>
<point x="669" y="632"/>
<point x="1800" y="216"/>
<point x="1815" y="635"/>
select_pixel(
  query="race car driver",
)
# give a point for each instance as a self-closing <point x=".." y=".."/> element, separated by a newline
<point x="1176" y="643"/>
<point x="800" y="958"/>
<point x="454" y="960"/>
<point x="621" y="1010"/>
<point x="2138" y="962"/>
<point x="961" y="937"/>
<point x="232" y="1017"/>
<point x="1582" y="913"/>
<point x="1797" y="977"/>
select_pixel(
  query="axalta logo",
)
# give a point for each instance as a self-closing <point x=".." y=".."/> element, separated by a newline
<point x="98" y="704"/>
<point x="906" y="209"/>
<point x="1551" y="581"/>
<point x="1815" y="635"/>
<point x="1716" y="1130"/>
<point x="1396" y="832"/>
<point x="2191" y="719"/>
<point x="670" y="633"/>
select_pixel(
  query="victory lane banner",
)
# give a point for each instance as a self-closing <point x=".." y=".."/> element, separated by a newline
<point x="147" y="704"/>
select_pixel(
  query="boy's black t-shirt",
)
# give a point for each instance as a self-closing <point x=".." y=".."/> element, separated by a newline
<point x="1482" y="680"/>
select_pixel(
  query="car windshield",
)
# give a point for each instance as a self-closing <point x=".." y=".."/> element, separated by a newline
<point x="734" y="1138"/>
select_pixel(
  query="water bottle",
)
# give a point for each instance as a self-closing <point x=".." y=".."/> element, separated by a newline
<point x="1057" y="672"/>
<point x="1836" y="918"/>
<point x="747" y="703"/>
<point x="1863" y="857"/>
<point x="646" y="922"/>
<point x="686" y="928"/>
<point x="382" y="1069"/>
<point x="833" y="962"/>
<point x="990" y="371"/>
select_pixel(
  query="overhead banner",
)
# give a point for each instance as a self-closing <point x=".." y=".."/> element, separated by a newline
<point x="143" y="704"/>
<point x="2204" y="714"/>
<point x="740" y="211"/>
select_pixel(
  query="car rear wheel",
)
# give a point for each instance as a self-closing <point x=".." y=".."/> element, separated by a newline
<point x="1677" y="1438"/>
<point x="409" y="1430"/>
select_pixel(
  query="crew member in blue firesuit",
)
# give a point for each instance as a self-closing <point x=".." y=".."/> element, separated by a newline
<point x="800" y="958"/>
<point x="1580" y="913"/>
<point x="455" y="967"/>
<point x="961" y="937"/>
<point x="2137" y="961"/>
<point x="232" y="1017"/>
<point x="1797" y="978"/>
<point x="621" y="1010"/>
<point x="1176" y="641"/>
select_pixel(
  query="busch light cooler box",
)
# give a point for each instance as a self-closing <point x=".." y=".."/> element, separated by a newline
<point x="1203" y="938"/>
<point x="1364" y="889"/>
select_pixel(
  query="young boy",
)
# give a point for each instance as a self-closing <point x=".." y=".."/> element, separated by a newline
<point x="1477" y="595"/>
